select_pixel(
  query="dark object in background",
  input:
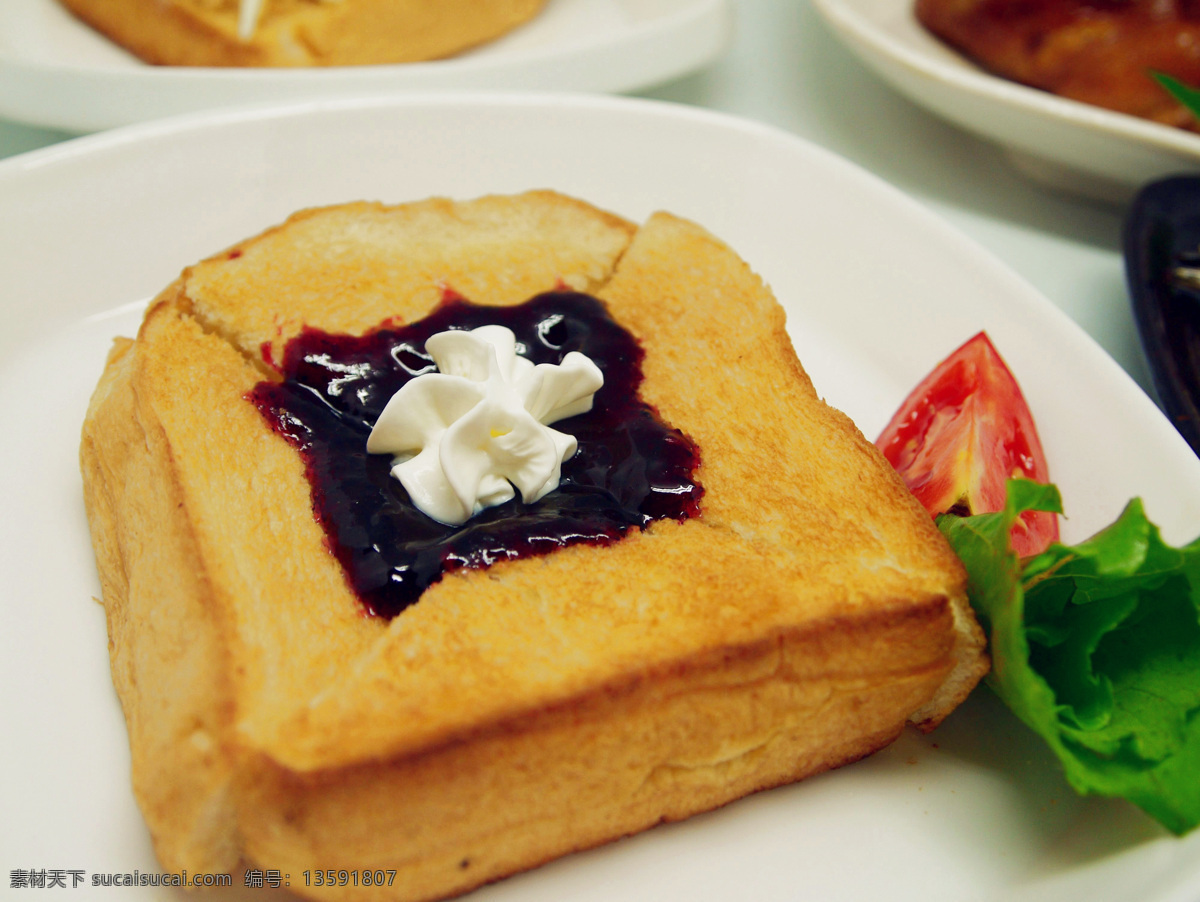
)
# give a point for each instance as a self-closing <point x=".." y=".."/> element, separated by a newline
<point x="1162" y="269"/>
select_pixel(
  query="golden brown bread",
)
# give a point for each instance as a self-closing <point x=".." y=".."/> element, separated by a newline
<point x="540" y="706"/>
<point x="301" y="32"/>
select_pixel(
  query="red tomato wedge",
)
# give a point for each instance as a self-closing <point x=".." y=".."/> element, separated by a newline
<point x="961" y="434"/>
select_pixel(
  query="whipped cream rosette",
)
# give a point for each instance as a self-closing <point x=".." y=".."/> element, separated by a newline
<point x="472" y="434"/>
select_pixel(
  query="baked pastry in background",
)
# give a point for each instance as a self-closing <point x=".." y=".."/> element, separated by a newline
<point x="1099" y="52"/>
<point x="300" y="32"/>
<point x="540" y="705"/>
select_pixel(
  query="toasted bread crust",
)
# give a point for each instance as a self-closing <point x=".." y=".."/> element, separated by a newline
<point x="564" y="700"/>
<point x="302" y="32"/>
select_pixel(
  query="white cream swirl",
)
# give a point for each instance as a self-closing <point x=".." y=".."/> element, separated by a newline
<point x="465" y="436"/>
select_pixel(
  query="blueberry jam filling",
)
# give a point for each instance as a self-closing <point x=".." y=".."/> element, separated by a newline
<point x="629" y="470"/>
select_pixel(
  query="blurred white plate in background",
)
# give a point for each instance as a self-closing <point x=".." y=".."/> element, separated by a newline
<point x="1067" y="145"/>
<point x="57" y="72"/>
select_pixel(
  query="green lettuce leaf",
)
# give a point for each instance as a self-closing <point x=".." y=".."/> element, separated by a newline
<point x="1185" y="94"/>
<point x="1096" y="647"/>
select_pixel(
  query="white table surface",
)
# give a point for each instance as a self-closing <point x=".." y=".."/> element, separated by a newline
<point x="785" y="68"/>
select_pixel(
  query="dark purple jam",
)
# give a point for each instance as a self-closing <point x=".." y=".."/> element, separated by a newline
<point x="630" y="468"/>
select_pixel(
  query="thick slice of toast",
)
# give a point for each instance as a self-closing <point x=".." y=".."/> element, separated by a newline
<point x="301" y="32"/>
<point x="539" y="706"/>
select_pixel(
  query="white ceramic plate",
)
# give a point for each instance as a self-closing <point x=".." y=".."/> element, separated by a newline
<point x="876" y="290"/>
<point x="57" y="72"/>
<point x="1067" y="145"/>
